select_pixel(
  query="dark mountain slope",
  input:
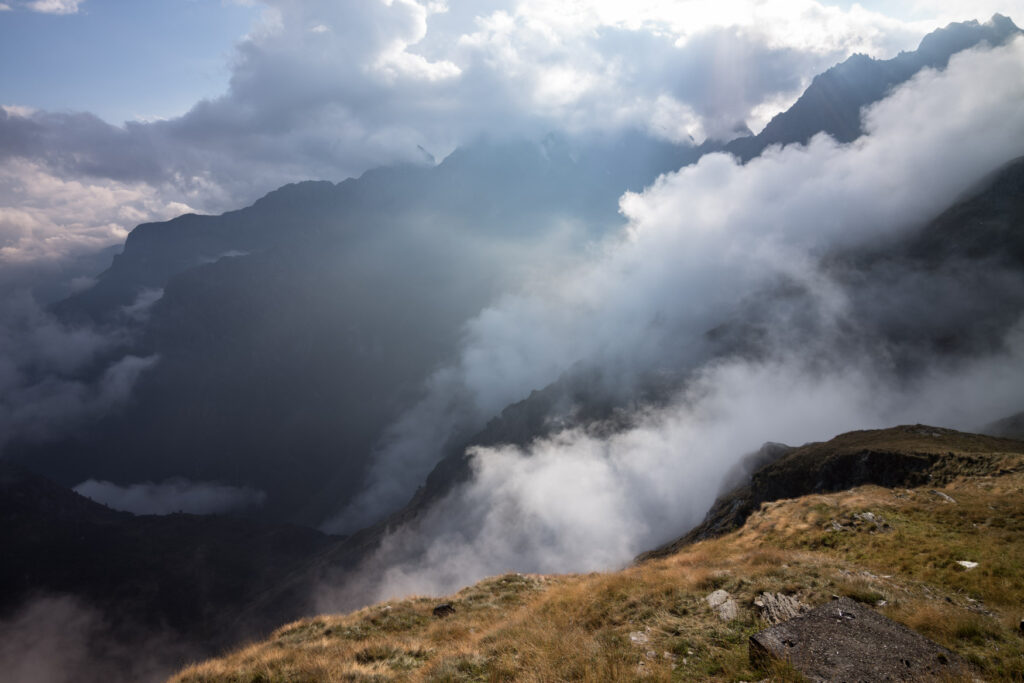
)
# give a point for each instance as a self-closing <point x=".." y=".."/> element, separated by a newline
<point x="281" y="368"/>
<point x="976" y="247"/>
<point x="185" y="576"/>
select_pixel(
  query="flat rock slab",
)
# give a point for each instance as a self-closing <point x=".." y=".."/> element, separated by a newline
<point x="846" y="641"/>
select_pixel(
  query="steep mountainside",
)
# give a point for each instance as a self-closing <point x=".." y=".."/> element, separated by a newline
<point x="184" y="576"/>
<point x="944" y="558"/>
<point x="979" y="237"/>
<point x="833" y="101"/>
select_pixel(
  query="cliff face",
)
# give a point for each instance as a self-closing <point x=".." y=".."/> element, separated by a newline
<point x="909" y="456"/>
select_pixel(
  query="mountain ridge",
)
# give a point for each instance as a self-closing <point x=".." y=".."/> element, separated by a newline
<point x="901" y="551"/>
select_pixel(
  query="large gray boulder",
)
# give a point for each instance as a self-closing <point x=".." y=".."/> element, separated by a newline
<point x="846" y="641"/>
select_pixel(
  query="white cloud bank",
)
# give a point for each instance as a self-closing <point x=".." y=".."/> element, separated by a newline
<point x="702" y="239"/>
<point x="699" y="241"/>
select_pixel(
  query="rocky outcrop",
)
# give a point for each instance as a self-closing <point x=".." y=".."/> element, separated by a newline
<point x="846" y="641"/>
<point x="723" y="605"/>
<point x="778" y="607"/>
<point x="907" y="456"/>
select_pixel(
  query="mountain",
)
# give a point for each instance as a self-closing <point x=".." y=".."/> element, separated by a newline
<point x="291" y="334"/>
<point x="832" y="103"/>
<point x="327" y="309"/>
<point x="979" y="238"/>
<point x="184" y="577"/>
<point x="940" y="556"/>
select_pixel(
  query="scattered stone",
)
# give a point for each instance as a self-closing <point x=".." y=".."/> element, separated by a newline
<point x="845" y="641"/>
<point x="442" y="611"/>
<point x="723" y="605"/>
<point x="638" y="638"/>
<point x="651" y="654"/>
<point x="943" y="496"/>
<point x="859" y="521"/>
<point x="776" y="607"/>
<point x="967" y="564"/>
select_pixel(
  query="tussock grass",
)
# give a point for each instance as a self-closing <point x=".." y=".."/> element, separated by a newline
<point x="649" y="622"/>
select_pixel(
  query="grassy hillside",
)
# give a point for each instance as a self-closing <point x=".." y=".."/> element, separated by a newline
<point x="650" y="621"/>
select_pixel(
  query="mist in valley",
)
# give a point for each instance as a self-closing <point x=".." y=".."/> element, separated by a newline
<point x="432" y="293"/>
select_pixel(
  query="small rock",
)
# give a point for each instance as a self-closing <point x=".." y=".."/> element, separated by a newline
<point x="865" y="516"/>
<point x="638" y="637"/>
<point x="967" y="564"/>
<point x="943" y="496"/>
<point x="442" y="611"/>
<point x="776" y="607"/>
<point x="651" y="654"/>
<point x="723" y="605"/>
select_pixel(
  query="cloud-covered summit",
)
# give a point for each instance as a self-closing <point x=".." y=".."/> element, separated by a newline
<point x="328" y="90"/>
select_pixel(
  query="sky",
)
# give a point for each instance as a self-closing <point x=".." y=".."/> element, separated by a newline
<point x="117" y="112"/>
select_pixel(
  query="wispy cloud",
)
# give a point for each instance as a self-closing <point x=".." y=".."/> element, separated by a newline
<point x="55" y="6"/>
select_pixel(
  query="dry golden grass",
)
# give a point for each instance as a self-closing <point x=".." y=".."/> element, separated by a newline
<point x="578" y="627"/>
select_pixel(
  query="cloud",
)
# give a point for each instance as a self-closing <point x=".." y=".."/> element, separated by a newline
<point x="54" y="375"/>
<point x="139" y="309"/>
<point x="55" y="6"/>
<point x="328" y="90"/>
<point x="171" y="496"/>
<point x="47" y="217"/>
<point x="583" y="501"/>
<point x="60" y="639"/>
<point x="689" y="255"/>
<point x="706" y="243"/>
